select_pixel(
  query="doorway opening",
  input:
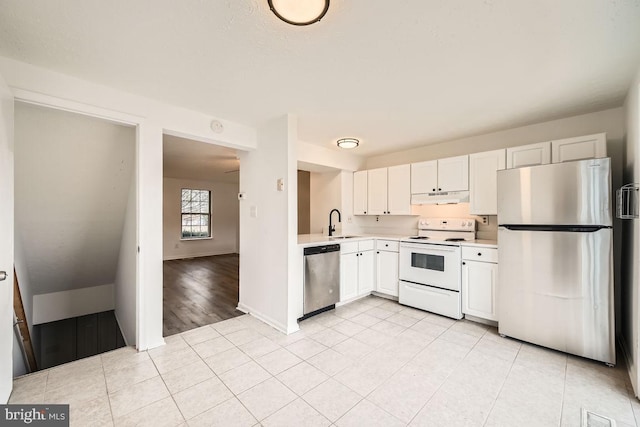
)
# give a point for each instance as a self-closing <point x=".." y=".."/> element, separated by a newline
<point x="75" y="233"/>
<point x="200" y="234"/>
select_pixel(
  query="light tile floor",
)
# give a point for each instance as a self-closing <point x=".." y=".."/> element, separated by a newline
<point x="369" y="363"/>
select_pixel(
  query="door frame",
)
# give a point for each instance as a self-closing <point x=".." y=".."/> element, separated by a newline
<point x="120" y="118"/>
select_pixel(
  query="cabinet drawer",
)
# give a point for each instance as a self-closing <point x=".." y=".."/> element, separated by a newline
<point x="480" y="254"/>
<point x="348" y="247"/>
<point x="365" y="245"/>
<point x="387" y="245"/>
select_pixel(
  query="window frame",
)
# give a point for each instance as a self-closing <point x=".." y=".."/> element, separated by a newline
<point x="209" y="215"/>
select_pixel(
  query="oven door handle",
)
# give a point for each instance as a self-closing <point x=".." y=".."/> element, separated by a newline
<point x="430" y="249"/>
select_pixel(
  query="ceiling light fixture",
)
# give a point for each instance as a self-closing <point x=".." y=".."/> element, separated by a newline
<point x="299" y="12"/>
<point x="348" y="143"/>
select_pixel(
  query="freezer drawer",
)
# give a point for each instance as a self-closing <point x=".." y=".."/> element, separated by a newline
<point x="555" y="289"/>
<point x="428" y="298"/>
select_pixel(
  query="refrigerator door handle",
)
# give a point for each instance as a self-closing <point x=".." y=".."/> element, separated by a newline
<point x="562" y="228"/>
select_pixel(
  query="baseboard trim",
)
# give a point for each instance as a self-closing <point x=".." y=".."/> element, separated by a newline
<point x="631" y="367"/>
<point x="124" y="337"/>
<point x="264" y="318"/>
<point x="199" y="255"/>
<point x="154" y="345"/>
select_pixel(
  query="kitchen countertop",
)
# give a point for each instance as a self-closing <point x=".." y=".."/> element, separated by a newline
<point x="306" y="240"/>
<point x="481" y="243"/>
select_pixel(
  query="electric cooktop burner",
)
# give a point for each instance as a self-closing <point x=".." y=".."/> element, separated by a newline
<point x="419" y="237"/>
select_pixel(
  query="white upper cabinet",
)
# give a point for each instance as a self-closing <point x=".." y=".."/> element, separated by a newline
<point x="579" y="148"/>
<point x="483" y="183"/>
<point x="424" y="177"/>
<point x="360" y="193"/>
<point x="529" y="155"/>
<point x="383" y="191"/>
<point x="399" y="190"/>
<point x="450" y="174"/>
<point x="377" y="191"/>
<point x="453" y="174"/>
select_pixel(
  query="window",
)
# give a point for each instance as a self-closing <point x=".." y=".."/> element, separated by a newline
<point x="196" y="214"/>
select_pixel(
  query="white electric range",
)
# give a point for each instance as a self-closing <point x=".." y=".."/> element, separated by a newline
<point x="430" y="265"/>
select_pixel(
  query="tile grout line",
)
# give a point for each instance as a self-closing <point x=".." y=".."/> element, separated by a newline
<point x="502" y="387"/>
<point x="450" y="373"/>
<point x="564" y="390"/>
<point x="165" y="385"/>
<point x="234" y="395"/>
<point x="220" y="379"/>
<point x="104" y="375"/>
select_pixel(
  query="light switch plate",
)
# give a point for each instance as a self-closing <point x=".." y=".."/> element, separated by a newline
<point x="280" y="184"/>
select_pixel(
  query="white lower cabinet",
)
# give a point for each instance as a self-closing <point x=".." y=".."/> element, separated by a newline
<point x="479" y="282"/>
<point x="387" y="267"/>
<point x="348" y="276"/>
<point x="357" y="263"/>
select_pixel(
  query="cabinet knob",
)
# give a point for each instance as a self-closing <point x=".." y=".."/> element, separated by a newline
<point x="388" y="212"/>
<point x="386" y="244"/>
<point x="464" y="263"/>
<point x="378" y="252"/>
<point x="439" y="189"/>
<point x="365" y="212"/>
<point x="434" y="189"/>
<point x="479" y="253"/>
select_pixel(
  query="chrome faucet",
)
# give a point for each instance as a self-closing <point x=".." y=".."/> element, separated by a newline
<point x="332" y="228"/>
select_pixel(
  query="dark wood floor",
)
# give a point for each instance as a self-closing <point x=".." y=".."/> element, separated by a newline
<point x="199" y="291"/>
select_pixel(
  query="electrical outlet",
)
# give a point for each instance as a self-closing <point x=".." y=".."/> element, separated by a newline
<point x="484" y="220"/>
<point x="349" y="219"/>
<point x="176" y="246"/>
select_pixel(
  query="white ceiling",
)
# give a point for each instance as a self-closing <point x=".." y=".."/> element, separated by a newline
<point x="396" y="74"/>
<point x="188" y="159"/>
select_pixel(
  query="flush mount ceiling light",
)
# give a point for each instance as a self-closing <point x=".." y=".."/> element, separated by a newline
<point x="348" y="143"/>
<point x="299" y="12"/>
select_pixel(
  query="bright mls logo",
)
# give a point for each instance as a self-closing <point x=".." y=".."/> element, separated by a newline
<point x="34" y="415"/>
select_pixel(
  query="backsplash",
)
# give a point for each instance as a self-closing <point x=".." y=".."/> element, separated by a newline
<point x="408" y="225"/>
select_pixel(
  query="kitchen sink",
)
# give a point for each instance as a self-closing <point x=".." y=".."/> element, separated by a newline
<point x="341" y="237"/>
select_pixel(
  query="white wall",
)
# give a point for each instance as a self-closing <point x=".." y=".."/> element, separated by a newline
<point x="268" y="223"/>
<point x="73" y="303"/>
<point x="609" y="121"/>
<point x="224" y="219"/>
<point x="72" y="176"/>
<point x="313" y="154"/>
<point x="126" y="274"/>
<point x="408" y="225"/>
<point x="631" y="259"/>
<point x="326" y="194"/>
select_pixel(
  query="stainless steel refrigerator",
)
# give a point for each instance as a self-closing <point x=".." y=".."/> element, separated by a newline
<point x="555" y="257"/>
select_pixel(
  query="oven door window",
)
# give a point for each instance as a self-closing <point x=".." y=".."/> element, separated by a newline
<point x="427" y="261"/>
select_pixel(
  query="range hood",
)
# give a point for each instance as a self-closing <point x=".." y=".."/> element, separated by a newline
<point x="441" y="198"/>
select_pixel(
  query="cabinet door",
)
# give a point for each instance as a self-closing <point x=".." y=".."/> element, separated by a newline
<point x="424" y="177"/>
<point x="399" y="190"/>
<point x="479" y="289"/>
<point x="366" y="272"/>
<point x="387" y="272"/>
<point x="483" y="182"/>
<point x="360" y="193"/>
<point x="348" y="276"/>
<point x="453" y="174"/>
<point x="377" y="191"/>
<point x="579" y="148"/>
<point x="529" y="155"/>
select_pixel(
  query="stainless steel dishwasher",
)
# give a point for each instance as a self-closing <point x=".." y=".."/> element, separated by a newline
<point x="321" y="279"/>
